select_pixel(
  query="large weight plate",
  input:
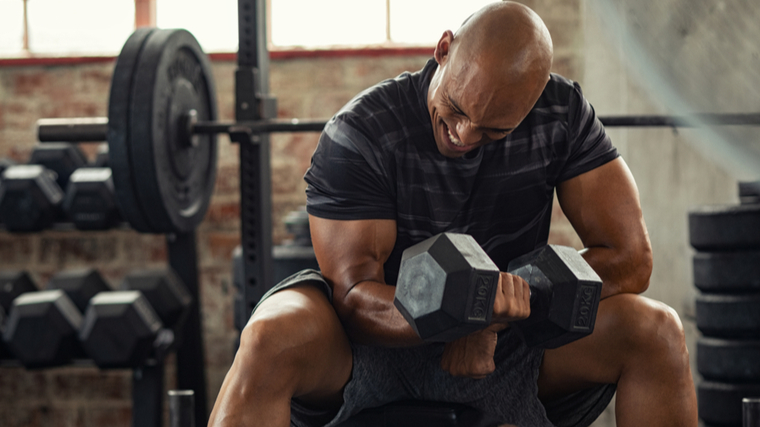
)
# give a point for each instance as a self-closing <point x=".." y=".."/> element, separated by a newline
<point x="724" y="228"/>
<point x="729" y="315"/>
<point x="174" y="179"/>
<point x="727" y="271"/>
<point x="721" y="403"/>
<point x="118" y="130"/>
<point x="729" y="360"/>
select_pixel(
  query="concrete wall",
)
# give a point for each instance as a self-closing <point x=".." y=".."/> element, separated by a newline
<point x="672" y="176"/>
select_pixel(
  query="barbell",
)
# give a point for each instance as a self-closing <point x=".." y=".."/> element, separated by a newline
<point x="162" y="125"/>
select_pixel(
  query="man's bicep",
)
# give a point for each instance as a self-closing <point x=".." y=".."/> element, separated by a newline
<point x="350" y="252"/>
<point x="604" y="208"/>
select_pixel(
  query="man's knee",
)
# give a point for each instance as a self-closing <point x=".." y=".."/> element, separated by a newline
<point x="288" y="322"/>
<point x="647" y="328"/>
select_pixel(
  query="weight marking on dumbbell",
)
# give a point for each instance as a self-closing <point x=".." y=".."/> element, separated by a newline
<point x="585" y="307"/>
<point x="479" y="308"/>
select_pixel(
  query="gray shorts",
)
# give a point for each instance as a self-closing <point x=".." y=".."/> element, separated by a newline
<point x="384" y="375"/>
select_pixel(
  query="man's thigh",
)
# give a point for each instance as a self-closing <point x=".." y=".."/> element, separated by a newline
<point x="299" y="330"/>
<point x="627" y="327"/>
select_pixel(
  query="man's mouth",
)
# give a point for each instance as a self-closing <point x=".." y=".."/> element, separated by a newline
<point x="453" y="140"/>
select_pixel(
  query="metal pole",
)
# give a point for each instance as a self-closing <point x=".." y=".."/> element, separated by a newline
<point x="191" y="363"/>
<point x="751" y="412"/>
<point x="181" y="408"/>
<point x="251" y="89"/>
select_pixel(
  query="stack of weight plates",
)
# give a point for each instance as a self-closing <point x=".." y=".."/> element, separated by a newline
<point x="727" y="272"/>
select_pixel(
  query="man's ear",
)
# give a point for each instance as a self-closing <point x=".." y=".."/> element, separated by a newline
<point x="442" y="49"/>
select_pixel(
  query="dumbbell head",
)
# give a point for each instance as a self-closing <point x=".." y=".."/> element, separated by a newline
<point x="29" y="198"/>
<point x="164" y="291"/>
<point x="61" y="157"/>
<point x="565" y="293"/>
<point x="13" y="284"/>
<point x="119" y="329"/>
<point x="101" y="157"/>
<point x="446" y="287"/>
<point x="79" y="284"/>
<point x="42" y="328"/>
<point x="90" y="201"/>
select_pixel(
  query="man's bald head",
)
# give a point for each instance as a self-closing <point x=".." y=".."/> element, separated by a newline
<point x="507" y="37"/>
<point x="490" y="74"/>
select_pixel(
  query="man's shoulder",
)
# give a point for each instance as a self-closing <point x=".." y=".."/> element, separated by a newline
<point x="557" y="92"/>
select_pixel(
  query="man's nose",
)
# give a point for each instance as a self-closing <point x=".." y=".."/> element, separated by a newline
<point x="467" y="134"/>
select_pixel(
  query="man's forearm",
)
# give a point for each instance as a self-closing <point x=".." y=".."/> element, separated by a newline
<point x="369" y="316"/>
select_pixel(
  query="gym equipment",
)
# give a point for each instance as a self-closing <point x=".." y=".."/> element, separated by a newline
<point x="749" y="192"/>
<point x="43" y="326"/>
<point x="731" y="272"/>
<point x="721" y="403"/>
<point x="751" y="412"/>
<point x="5" y="163"/>
<point x="181" y="408"/>
<point x="62" y="158"/>
<point x="30" y="198"/>
<point x="124" y="328"/>
<point x="80" y="284"/>
<point x="42" y="329"/>
<point x="420" y="413"/>
<point x="447" y="285"/>
<point x="724" y="228"/>
<point x="728" y="316"/>
<point x="101" y="157"/>
<point x="729" y="360"/>
<point x="13" y="284"/>
<point x="90" y="201"/>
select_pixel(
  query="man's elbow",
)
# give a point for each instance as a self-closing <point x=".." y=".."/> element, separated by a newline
<point x="641" y="267"/>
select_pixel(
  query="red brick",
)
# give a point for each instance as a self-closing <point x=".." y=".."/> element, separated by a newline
<point x="90" y="384"/>
<point x="111" y="416"/>
<point x="223" y="213"/>
<point x="220" y="245"/>
<point x="77" y="248"/>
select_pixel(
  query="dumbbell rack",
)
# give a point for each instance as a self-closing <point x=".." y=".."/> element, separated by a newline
<point x="148" y="380"/>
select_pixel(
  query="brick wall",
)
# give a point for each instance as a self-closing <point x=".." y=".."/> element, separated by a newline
<point x="305" y="87"/>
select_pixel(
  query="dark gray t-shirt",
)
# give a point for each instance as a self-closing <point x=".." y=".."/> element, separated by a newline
<point x="377" y="159"/>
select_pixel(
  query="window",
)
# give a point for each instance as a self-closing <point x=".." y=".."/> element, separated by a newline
<point x="66" y="27"/>
<point x="309" y="23"/>
<point x="61" y="27"/>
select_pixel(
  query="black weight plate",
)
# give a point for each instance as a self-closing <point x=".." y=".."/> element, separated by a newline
<point x="721" y="403"/>
<point x="118" y="130"/>
<point x="729" y="315"/>
<point x="727" y="271"/>
<point x="729" y="360"/>
<point x="722" y="228"/>
<point x="175" y="179"/>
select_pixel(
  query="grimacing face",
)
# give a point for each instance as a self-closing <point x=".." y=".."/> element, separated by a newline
<point x="471" y="105"/>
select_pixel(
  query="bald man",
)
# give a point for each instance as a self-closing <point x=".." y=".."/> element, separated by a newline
<point x="476" y="142"/>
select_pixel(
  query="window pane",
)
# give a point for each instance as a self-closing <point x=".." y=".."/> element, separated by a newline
<point x="327" y="22"/>
<point x="11" y="27"/>
<point x="213" y="23"/>
<point x="79" y="26"/>
<point x="424" y="21"/>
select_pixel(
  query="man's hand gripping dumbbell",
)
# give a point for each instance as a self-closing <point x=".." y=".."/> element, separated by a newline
<point x="450" y="291"/>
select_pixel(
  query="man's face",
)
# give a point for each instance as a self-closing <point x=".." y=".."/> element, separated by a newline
<point x="469" y="107"/>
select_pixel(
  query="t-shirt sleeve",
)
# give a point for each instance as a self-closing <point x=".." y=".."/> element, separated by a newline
<point x="589" y="145"/>
<point x="348" y="176"/>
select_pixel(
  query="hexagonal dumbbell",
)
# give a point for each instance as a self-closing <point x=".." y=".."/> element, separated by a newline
<point x="12" y="284"/>
<point x="42" y="328"/>
<point x="101" y="157"/>
<point x="62" y="158"/>
<point x="447" y="285"/>
<point x="124" y="328"/>
<point x="90" y="201"/>
<point x="30" y="198"/>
